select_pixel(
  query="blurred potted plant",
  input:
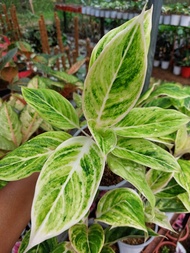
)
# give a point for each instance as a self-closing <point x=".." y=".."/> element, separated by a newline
<point x="185" y="64"/>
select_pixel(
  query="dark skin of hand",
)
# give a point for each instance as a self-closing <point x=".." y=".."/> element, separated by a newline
<point x="15" y="210"/>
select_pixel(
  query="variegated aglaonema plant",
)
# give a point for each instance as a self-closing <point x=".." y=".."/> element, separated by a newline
<point x="71" y="167"/>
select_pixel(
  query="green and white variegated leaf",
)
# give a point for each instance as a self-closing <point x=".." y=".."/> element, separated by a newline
<point x="66" y="188"/>
<point x="167" y="142"/>
<point x="171" y="205"/>
<point x="31" y="156"/>
<point x="173" y="90"/>
<point x="87" y="240"/>
<point x="105" y="137"/>
<point x="171" y="190"/>
<point x="133" y="173"/>
<point x="158" y="218"/>
<point x="43" y="82"/>
<point x="146" y="153"/>
<point x="184" y="197"/>
<point x="30" y="122"/>
<point x="121" y="207"/>
<point x="127" y="25"/>
<point x="183" y="178"/>
<point x="107" y="249"/>
<point x="46" y="126"/>
<point x="157" y="179"/>
<point x="110" y="91"/>
<point x="163" y="102"/>
<point x="52" y="107"/>
<point x="64" y="247"/>
<point x="10" y="126"/>
<point x="144" y="97"/>
<point x="44" y="247"/>
<point x="150" y="122"/>
<point x="182" y="142"/>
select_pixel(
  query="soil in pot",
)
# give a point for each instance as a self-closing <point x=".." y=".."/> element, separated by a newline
<point x="166" y="247"/>
<point x="109" y="178"/>
<point x="138" y="240"/>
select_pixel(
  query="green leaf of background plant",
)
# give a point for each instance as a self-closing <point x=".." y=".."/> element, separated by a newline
<point x="150" y="122"/>
<point x="146" y="153"/>
<point x="10" y="124"/>
<point x="6" y="144"/>
<point x="183" y="178"/>
<point x="112" y="90"/>
<point x="43" y="82"/>
<point x="121" y="207"/>
<point x="157" y="179"/>
<point x="52" y="107"/>
<point x="30" y="122"/>
<point x="133" y="173"/>
<point x="87" y="240"/>
<point x="58" y="74"/>
<point x="66" y="188"/>
<point x="7" y="58"/>
<point x="31" y="156"/>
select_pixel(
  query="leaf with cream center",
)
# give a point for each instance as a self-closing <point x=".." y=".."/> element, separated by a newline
<point x="66" y="188"/>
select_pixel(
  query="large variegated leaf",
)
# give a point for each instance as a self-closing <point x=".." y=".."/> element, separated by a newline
<point x="146" y="153"/>
<point x="30" y="122"/>
<point x="114" y="83"/>
<point x="105" y="138"/>
<point x="171" y="205"/>
<point x="66" y="188"/>
<point x="10" y="125"/>
<point x="171" y="190"/>
<point x="31" y="156"/>
<point x="127" y="25"/>
<point x="183" y="178"/>
<point x="173" y="90"/>
<point x="150" y="122"/>
<point x="87" y="240"/>
<point x="158" y="218"/>
<point x="184" y="197"/>
<point x="157" y="179"/>
<point x="52" y="107"/>
<point x="121" y="207"/>
<point x="163" y="102"/>
<point x="144" y="96"/>
<point x="133" y="173"/>
<point x="47" y="246"/>
<point x="182" y="142"/>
